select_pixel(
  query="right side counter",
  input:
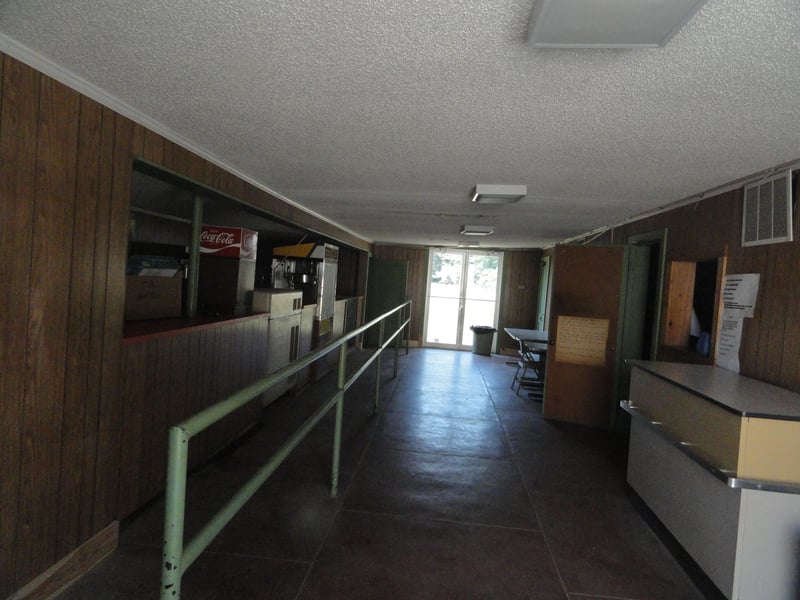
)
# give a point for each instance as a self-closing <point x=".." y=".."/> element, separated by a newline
<point x="716" y="457"/>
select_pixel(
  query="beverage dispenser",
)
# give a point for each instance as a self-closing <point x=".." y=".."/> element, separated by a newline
<point x="311" y="268"/>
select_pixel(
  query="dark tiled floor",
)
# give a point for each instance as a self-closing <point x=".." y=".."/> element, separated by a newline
<point x="458" y="489"/>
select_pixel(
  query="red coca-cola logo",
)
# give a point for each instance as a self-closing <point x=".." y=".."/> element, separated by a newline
<point x="232" y="242"/>
<point x="223" y="238"/>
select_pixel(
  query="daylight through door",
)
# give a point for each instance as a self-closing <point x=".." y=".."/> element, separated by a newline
<point x="463" y="290"/>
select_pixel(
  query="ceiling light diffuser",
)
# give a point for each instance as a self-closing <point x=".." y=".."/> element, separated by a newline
<point x="498" y="194"/>
<point x="477" y="230"/>
<point x="608" y="23"/>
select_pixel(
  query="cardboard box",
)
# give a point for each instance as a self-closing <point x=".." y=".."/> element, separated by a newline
<point x="231" y="242"/>
<point x="149" y="297"/>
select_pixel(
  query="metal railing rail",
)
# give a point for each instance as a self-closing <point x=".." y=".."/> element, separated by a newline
<point x="177" y="558"/>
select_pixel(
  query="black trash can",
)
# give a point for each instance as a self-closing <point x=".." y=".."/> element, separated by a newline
<point x="482" y="339"/>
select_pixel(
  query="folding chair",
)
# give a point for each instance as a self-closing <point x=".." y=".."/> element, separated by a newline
<point x="530" y="372"/>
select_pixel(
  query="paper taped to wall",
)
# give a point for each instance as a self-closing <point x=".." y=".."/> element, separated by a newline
<point x="739" y="294"/>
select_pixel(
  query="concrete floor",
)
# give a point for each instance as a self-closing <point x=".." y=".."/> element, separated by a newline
<point x="458" y="489"/>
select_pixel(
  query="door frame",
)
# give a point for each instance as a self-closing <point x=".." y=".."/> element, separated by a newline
<point x="545" y="287"/>
<point x="466" y="252"/>
<point x="657" y="239"/>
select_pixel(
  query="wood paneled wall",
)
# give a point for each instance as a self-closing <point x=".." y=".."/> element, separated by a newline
<point x="520" y="294"/>
<point x="66" y="169"/>
<point x="65" y="175"/>
<point x="351" y="274"/>
<point x="168" y="379"/>
<point x="711" y="228"/>
<point x="417" y="259"/>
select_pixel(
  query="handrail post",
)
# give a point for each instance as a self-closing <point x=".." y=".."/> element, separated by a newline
<point x="378" y="368"/>
<point x="409" y="308"/>
<point x="175" y="499"/>
<point x="337" y="431"/>
<point x="396" y="350"/>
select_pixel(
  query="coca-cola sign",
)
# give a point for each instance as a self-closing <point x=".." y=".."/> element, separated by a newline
<point x="221" y="238"/>
<point x="233" y="242"/>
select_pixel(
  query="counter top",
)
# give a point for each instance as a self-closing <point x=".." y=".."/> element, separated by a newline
<point x="151" y="329"/>
<point x="736" y="393"/>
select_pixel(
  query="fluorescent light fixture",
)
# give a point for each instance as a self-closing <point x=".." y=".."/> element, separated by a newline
<point x="498" y="194"/>
<point x="469" y="244"/>
<point x="608" y="23"/>
<point x="477" y="230"/>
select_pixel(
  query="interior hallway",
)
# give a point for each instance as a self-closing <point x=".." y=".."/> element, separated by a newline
<point x="458" y="489"/>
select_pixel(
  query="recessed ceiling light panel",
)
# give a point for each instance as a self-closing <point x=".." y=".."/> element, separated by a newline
<point x="608" y="23"/>
<point x="477" y="230"/>
<point x="498" y="194"/>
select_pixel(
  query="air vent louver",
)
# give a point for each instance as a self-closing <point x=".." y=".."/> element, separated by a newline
<point x="767" y="215"/>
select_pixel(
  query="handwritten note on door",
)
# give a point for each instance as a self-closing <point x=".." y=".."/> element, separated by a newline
<point x="581" y="340"/>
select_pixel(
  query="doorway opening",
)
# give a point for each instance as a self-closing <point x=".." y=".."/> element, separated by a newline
<point x="641" y="306"/>
<point x="545" y="285"/>
<point x="463" y="290"/>
<point x="653" y="280"/>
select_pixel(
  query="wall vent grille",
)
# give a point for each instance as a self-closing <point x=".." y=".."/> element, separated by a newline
<point x="767" y="211"/>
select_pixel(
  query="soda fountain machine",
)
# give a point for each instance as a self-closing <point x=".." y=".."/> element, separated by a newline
<point x="311" y="268"/>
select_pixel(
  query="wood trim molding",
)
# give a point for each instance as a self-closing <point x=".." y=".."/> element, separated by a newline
<point x="72" y="567"/>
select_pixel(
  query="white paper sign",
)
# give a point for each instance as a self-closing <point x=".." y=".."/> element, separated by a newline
<point x="739" y="294"/>
<point x="728" y="342"/>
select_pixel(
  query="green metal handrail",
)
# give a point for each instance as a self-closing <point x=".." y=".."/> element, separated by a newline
<point x="177" y="559"/>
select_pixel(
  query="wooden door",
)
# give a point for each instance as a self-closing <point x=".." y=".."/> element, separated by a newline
<point x="584" y="315"/>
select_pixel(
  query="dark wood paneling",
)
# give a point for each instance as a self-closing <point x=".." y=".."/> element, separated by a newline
<point x="94" y="466"/>
<point x="169" y="379"/>
<point x="155" y="435"/>
<point x="220" y="366"/>
<point x="788" y="338"/>
<point x="153" y="147"/>
<point x="347" y="274"/>
<point x="699" y="231"/>
<point x="135" y="374"/>
<point x="712" y="228"/>
<point x="79" y="335"/>
<point x="179" y="379"/>
<point x="180" y="159"/>
<point x="194" y="167"/>
<point x="137" y="143"/>
<point x="519" y="294"/>
<point x="772" y="312"/>
<point x="47" y="327"/>
<point x="109" y="426"/>
<point x="18" y="134"/>
<point x="65" y="185"/>
<point x="45" y="211"/>
<point x="207" y="392"/>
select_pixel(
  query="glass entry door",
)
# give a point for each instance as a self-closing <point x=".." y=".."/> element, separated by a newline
<point x="463" y="289"/>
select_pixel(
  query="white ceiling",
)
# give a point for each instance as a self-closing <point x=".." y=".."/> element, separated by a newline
<point x="381" y="115"/>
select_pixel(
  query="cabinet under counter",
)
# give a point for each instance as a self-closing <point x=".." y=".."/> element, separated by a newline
<point x="715" y="457"/>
